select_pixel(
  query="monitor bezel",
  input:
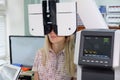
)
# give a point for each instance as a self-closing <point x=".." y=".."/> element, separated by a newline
<point x="95" y="33"/>
<point x="10" y="36"/>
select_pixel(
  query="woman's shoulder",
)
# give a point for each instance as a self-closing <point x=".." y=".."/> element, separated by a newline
<point x="40" y="51"/>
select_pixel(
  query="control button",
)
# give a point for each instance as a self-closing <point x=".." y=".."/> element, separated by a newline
<point x="88" y="60"/>
<point x="96" y="61"/>
<point x="106" y="62"/>
<point x="92" y="61"/>
<point x="83" y="60"/>
<point x="101" y="61"/>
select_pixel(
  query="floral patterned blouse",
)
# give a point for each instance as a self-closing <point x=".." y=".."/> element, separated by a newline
<point x="54" y="66"/>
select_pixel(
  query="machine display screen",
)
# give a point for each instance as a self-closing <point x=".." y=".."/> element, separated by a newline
<point x="97" y="46"/>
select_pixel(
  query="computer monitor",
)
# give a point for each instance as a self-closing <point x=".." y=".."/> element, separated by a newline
<point x="24" y="48"/>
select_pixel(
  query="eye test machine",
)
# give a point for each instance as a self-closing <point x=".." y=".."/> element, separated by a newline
<point x="61" y="17"/>
<point x="96" y="48"/>
<point x="97" y="54"/>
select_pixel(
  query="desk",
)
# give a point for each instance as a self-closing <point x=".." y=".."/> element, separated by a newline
<point x="27" y="75"/>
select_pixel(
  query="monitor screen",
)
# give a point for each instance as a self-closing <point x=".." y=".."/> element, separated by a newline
<point x="97" y="46"/>
<point x="24" y="48"/>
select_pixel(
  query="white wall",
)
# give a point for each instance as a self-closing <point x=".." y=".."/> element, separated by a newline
<point x="107" y="2"/>
<point x="66" y="0"/>
<point x="15" y="20"/>
<point x="15" y="17"/>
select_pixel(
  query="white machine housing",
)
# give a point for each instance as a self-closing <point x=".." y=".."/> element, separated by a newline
<point x="90" y="15"/>
<point x="66" y="19"/>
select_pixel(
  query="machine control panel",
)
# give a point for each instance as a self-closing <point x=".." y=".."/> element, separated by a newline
<point x="96" y="62"/>
<point x="96" y="48"/>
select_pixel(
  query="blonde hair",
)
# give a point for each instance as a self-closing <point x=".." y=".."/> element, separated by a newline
<point x="69" y="54"/>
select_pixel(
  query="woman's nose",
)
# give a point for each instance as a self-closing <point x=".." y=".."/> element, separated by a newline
<point x="52" y="31"/>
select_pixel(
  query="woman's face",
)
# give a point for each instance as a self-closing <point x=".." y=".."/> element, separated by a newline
<point x="55" y="39"/>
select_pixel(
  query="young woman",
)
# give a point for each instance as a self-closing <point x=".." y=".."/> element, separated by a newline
<point x="55" y="60"/>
